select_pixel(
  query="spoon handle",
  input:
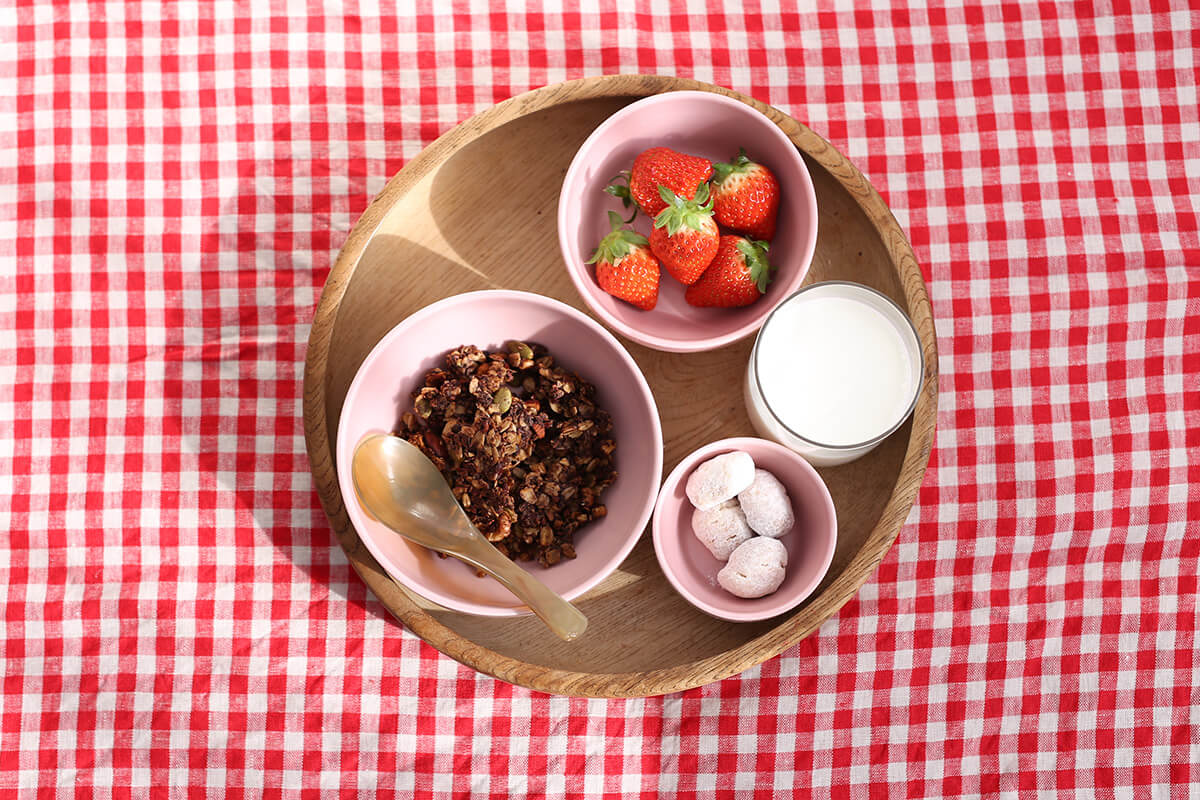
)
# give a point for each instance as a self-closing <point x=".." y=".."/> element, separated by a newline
<point x="567" y="621"/>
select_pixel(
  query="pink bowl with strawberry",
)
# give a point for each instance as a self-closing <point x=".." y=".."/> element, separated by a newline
<point x="698" y="123"/>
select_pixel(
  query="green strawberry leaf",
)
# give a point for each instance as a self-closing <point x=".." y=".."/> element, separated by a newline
<point x="740" y="163"/>
<point x="619" y="243"/>
<point x="617" y="190"/>
<point x="755" y="254"/>
<point x="682" y="213"/>
<point x="621" y="191"/>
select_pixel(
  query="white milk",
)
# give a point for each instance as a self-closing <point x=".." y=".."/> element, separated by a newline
<point x="835" y="368"/>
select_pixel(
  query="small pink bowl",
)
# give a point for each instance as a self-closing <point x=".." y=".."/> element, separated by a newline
<point x="703" y="124"/>
<point x="692" y="570"/>
<point x="382" y="388"/>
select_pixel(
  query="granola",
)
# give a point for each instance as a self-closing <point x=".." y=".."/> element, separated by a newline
<point x="522" y="443"/>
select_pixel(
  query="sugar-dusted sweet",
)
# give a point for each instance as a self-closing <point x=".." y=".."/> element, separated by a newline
<point x="755" y="569"/>
<point x="721" y="529"/>
<point x="766" y="505"/>
<point x="720" y="479"/>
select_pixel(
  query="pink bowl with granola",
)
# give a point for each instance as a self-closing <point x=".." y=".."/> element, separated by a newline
<point x="385" y="388"/>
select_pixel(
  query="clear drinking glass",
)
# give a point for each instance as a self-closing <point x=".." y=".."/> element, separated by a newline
<point x="869" y="371"/>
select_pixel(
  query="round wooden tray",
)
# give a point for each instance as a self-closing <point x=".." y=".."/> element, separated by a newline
<point x="475" y="210"/>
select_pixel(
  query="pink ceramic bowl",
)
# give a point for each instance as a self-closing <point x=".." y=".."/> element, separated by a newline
<point x="692" y="570"/>
<point x="382" y="389"/>
<point x="704" y="124"/>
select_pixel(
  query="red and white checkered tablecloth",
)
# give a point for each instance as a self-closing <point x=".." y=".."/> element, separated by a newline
<point x="175" y="613"/>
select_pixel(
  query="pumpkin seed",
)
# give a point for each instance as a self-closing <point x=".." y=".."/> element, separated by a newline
<point x="502" y="399"/>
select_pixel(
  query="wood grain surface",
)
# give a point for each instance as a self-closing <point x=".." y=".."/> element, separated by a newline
<point x="475" y="210"/>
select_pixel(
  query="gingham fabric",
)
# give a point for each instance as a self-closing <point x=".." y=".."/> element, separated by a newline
<point x="175" y="614"/>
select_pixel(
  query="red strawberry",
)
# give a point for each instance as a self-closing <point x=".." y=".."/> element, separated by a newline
<point x="745" y="197"/>
<point x="685" y="237"/>
<point x="661" y="166"/>
<point x="625" y="267"/>
<point x="738" y="275"/>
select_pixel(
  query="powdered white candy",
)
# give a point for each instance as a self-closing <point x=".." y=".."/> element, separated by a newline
<point x="720" y="479"/>
<point x="766" y="505"/>
<point x="755" y="568"/>
<point x="721" y="529"/>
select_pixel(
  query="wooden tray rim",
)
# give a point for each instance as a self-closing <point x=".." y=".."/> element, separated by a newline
<point x="669" y="679"/>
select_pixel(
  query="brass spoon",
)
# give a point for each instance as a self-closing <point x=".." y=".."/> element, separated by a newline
<point x="402" y="488"/>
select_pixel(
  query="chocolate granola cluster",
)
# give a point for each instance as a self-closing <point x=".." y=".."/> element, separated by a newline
<point x="521" y="441"/>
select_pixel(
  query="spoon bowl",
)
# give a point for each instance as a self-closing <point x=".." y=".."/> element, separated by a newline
<point x="401" y="488"/>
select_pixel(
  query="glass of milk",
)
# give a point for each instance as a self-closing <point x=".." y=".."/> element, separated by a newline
<point x="836" y="368"/>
